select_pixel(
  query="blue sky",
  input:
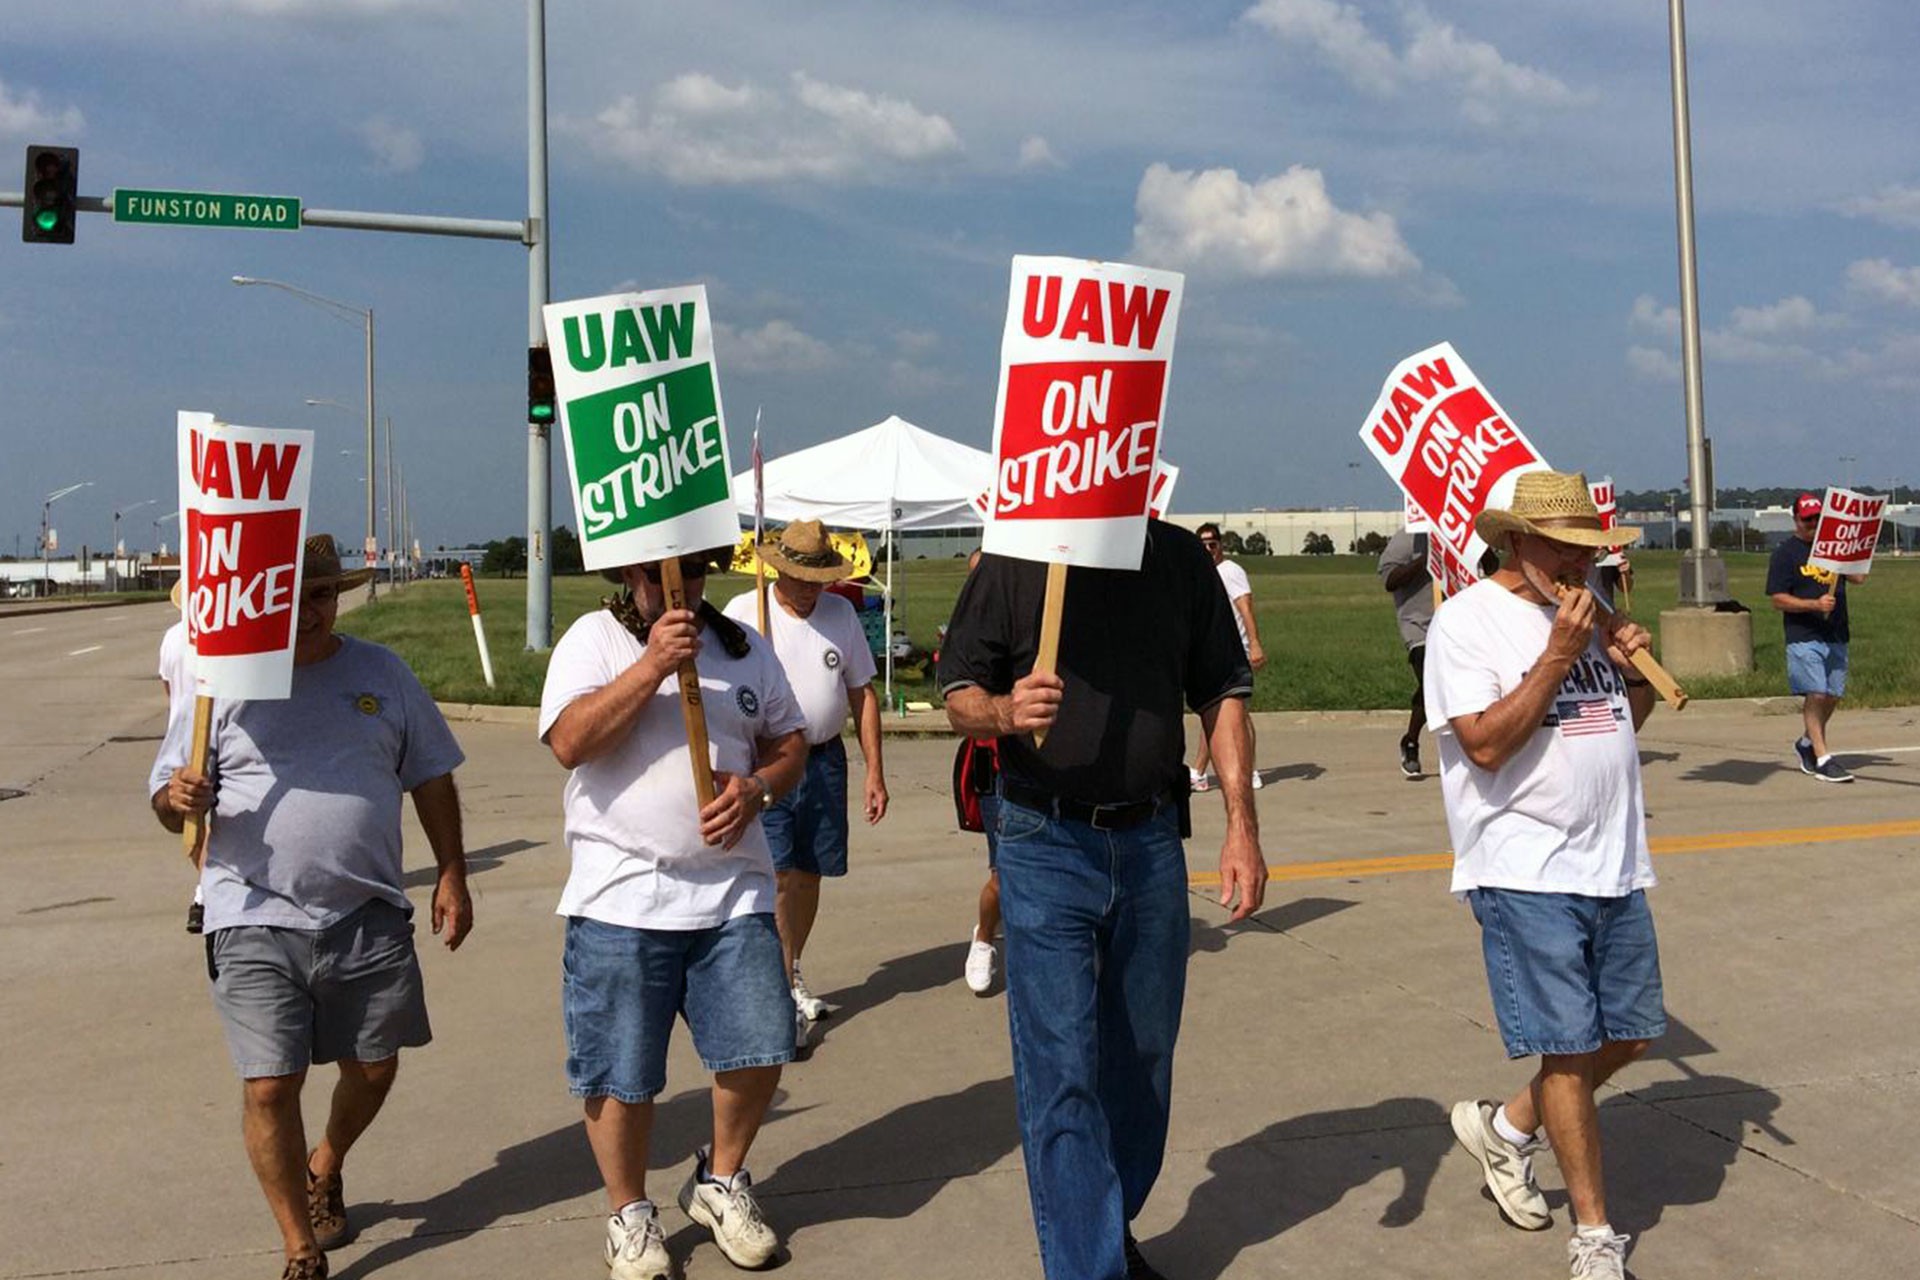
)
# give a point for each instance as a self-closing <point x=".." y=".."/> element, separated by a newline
<point x="1342" y="183"/>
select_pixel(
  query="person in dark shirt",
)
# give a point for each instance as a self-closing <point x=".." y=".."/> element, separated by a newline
<point x="1093" y="879"/>
<point x="1813" y="607"/>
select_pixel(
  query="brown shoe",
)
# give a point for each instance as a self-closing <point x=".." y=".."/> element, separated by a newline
<point x="327" y="1210"/>
<point x="312" y="1267"/>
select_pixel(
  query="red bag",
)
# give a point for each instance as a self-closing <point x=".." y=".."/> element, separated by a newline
<point x="976" y="767"/>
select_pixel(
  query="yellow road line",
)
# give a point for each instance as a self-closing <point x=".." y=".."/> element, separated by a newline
<point x="1354" y="868"/>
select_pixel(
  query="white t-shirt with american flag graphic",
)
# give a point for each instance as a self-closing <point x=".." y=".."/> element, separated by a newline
<point x="1566" y="813"/>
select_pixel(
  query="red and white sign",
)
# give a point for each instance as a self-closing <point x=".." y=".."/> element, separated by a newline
<point x="243" y="521"/>
<point x="1084" y="365"/>
<point x="1452" y="573"/>
<point x="1848" y="532"/>
<point x="1160" y="495"/>
<point x="1447" y="443"/>
<point x="1603" y="499"/>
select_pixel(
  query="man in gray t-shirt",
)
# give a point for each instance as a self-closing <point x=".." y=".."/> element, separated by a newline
<point x="1403" y="571"/>
<point x="309" y="933"/>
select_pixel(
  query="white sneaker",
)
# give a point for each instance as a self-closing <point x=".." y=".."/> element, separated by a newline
<point x="982" y="959"/>
<point x="802" y="1032"/>
<point x="1597" y="1257"/>
<point x="1258" y="781"/>
<point x="729" y="1210"/>
<point x="1508" y="1169"/>
<point x="638" y="1252"/>
<point x="811" y="1007"/>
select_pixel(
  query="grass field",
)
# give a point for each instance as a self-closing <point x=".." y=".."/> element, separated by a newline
<point x="1327" y="626"/>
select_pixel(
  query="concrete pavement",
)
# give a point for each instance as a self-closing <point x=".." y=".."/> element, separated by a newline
<point x="1771" y="1135"/>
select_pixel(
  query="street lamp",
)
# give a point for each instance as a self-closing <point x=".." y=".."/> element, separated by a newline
<point x="46" y="518"/>
<point x="1847" y="460"/>
<point x="158" y="545"/>
<point x="118" y="552"/>
<point x="365" y="316"/>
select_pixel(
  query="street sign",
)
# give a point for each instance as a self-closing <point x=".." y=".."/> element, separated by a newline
<point x="206" y="209"/>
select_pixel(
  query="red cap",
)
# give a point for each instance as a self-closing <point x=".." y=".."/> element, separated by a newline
<point x="1806" y="506"/>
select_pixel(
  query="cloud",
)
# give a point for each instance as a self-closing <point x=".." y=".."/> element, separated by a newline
<point x="1214" y="223"/>
<point x="700" y="132"/>
<point x="326" y="8"/>
<point x="1036" y="154"/>
<point x="395" y="150"/>
<point x="22" y="116"/>
<point x="1653" y="364"/>
<point x="775" y="347"/>
<point x="1896" y="206"/>
<point x="1749" y="339"/>
<point x="1879" y="278"/>
<point x="1787" y="316"/>
<point x="1435" y="60"/>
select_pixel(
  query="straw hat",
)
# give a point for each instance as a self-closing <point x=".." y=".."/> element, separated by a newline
<point x="320" y="563"/>
<point x="804" y="552"/>
<point x="1552" y="504"/>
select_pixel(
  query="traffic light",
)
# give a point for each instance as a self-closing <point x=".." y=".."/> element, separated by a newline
<point x="52" y="187"/>
<point x="540" y="397"/>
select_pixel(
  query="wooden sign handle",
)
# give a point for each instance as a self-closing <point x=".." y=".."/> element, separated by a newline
<point x="193" y="832"/>
<point x="1657" y="676"/>
<point x="692" y="710"/>
<point x="1047" y="659"/>
<point x="760" y="593"/>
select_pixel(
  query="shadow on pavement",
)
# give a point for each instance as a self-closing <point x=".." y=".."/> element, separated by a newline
<point x="1265" y="1185"/>
<point x="1745" y="773"/>
<point x="530" y="1176"/>
<point x="1645" y="1179"/>
<point x="891" y="1167"/>
<point x="478" y="860"/>
<point x="900" y="976"/>
<point x="1210" y="937"/>
<point x="1305" y="772"/>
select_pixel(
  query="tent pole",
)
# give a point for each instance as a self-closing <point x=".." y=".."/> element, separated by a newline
<point x="887" y="625"/>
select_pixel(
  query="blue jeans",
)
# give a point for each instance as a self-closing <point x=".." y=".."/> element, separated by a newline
<point x="1567" y="972"/>
<point x="807" y="828"/>
<point x="1096" y="946"/>
<point x="1815" y="666"/>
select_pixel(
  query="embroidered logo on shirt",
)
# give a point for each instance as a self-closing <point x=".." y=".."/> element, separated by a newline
<point x="832" y="659"/>
<point x="747" y="701"/>
<point x="1582" y="716"/>
<point x="369" y="704"/>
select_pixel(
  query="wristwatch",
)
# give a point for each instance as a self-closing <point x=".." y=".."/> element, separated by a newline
<point x="766" y="792"/>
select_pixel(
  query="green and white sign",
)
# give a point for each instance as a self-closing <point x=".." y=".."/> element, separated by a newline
<point x="206" y="209"/>
<point x="645" y="434"/>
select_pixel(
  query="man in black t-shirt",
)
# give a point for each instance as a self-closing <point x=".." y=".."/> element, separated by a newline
<point x="1093" y="879"/>
<point x="1813" y="605"/>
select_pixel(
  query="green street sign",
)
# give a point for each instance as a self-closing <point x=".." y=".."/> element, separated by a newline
<point x="206" y="209"/>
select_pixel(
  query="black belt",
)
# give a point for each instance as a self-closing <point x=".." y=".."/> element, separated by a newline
<point x="1101" y="817"/>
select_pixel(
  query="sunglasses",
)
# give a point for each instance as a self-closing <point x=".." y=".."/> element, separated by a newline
<point x="690" y="567"/>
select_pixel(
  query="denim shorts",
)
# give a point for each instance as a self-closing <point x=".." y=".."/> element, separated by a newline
<point x="1567" y="972"/>
<point x="289" y="998"/>
<point x="1815" y="666"/>
<point x="620" y="989"/>
<point x="807" y="828"/>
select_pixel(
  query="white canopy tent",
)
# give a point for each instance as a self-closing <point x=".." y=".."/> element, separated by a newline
<point x="890" y="477"/>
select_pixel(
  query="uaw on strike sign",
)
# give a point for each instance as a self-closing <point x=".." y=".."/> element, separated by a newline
<point x="640" y="412"/>
<point x="1848" y="531"/>
<point x="1083" y="386"/>
<point x="243" y="516"/>
<point x="1452" y="450"/>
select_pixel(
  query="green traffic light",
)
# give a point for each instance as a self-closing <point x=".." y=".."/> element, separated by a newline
<point x="540" y="413"/>
<point x="47" y="219"/>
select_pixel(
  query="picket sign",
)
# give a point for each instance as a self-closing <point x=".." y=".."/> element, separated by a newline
<point x="1454" y="452"/>
<point x="1847" y="534"/>
<point x="646" y="442"/>
<point x="1085" y="358"/>
<point x="479" y="631"/>
<point x="243" y="524"/>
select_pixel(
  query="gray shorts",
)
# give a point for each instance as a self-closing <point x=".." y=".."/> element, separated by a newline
<point x="292" y="997"/>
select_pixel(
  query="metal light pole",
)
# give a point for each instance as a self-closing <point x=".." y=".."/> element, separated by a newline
<point x="539" y="440"/>
<point x="1847" y="460"/>
<point x="46" y="524"/>
<point x="365" y="316"/>
<point x="118" y="553"/>
<point x="158" y="544"/>
<point x="393" y="554"/>
<point x="1703" y="576"/>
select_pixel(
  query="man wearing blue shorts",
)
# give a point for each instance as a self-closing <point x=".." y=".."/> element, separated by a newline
<point x="1813" y="608"/>
<point x="823" y="649"/>
<point x="669" y="904"/>
<point x="1535" y="707"/>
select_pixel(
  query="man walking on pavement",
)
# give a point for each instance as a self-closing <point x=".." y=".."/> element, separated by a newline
<point x="669" y="905"/>
<point x="1240" y="596"/>
<point x="1813" y="610"/>
<point x="823" y="649"/>
<point x="1536" y="706"/>
<point x="1093" y="877"/>
<point x="309" y="933"/>
<point x="1404" y="573"/>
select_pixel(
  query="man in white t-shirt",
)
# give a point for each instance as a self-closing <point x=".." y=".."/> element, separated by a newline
<point x="175" y="669"/>
<point x="1535" y="705"/>
<point x="821" y="644"/>
<point x="1233" y="579"/>
<point x="669" y="904"/>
